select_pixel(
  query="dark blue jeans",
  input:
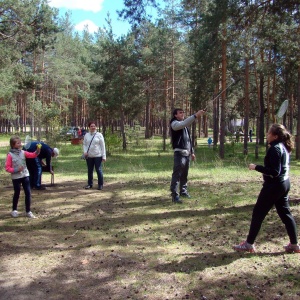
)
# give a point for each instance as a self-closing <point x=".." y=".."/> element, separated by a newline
<point x="34" y="166"/>
<point x="17" y="189"/>
<point x="180" y="173"/>
<point x="273" y="194"/>
<point x="94" y="162"/>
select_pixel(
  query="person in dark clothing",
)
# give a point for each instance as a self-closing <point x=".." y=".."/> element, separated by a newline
<point x="36" y="165"/>
<point x="183" y="152"/>
<point x="250" y="135"/>
<point x="275" y="189"/>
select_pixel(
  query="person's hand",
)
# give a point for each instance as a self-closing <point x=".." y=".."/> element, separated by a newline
<point x="199" y="113"/>
<point x="21" y="168"/>
<point x="38" y="149"/>
<point x="252" y="166"/>
<point x="104" y="159"/>
<point x="193" y="157"/>
<point x="51" y="171"/>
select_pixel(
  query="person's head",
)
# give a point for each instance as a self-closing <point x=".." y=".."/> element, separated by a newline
<point x="15" y="142"/>
<point x="178" y="113"/>
<point x="55" y="152"/>
<point x="278" y="132"/>
<point x="92" y="126"/>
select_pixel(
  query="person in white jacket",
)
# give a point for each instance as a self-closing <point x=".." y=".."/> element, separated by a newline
<point x="95" y="153"/>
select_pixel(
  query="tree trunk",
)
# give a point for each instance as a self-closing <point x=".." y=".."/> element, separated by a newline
<point x="246" y="111"/>
<point x="223" y="99"/>
<point x="147" y="116"/>
<point x="297" y="143"/>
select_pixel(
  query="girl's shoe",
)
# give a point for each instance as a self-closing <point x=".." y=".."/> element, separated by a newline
<point x="30" y="215"/>
<point x="14" y="214"/>
<point x="291" y="248"/>
<point x="244" y="247"/>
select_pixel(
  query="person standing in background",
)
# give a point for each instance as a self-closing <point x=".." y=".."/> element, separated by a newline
<point x="250" y="135"/>
<point x="95" y="153"/>
<point x="183" y="152"/>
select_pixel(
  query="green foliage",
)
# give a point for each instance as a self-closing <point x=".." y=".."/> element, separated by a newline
<point x="112" y="142"/>
<point x="133" y="133"/>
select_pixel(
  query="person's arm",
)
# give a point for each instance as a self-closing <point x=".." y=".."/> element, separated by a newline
<point x="102" y="145"/>
<point x="31" y="154"/>
<point x="8" y="165"/>
<point x="85" y="143"/>
<point x="48" y="160"/>
<point x="177" y="125"/>
<point x="273" y="168"/>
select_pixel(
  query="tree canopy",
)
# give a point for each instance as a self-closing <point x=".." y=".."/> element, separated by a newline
<point x="240" y="59"/>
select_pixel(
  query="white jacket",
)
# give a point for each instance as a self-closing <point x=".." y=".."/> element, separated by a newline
<point x="97" y="148"/>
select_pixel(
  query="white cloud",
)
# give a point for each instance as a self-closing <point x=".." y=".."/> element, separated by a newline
<point x="88" y="5"/>
<point x="92" y="27"/>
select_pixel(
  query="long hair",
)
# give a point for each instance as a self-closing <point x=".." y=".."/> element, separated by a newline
<point x="283" y="136"/>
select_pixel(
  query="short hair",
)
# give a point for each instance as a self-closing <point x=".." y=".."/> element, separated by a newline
<point x="90" y="123"/>
<point x="55" y="152"/>
<point x="13" y="141"/>
<point x="176" y="110"/>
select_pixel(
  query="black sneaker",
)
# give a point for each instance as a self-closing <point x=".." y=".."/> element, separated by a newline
<point x="186" y="195"/>
<point x="175" y="199"/>
<point x="100" y="187"/>
<point x="88" y="187"/>
<point x="40" y="187"/>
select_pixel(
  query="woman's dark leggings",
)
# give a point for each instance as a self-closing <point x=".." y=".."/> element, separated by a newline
<point x="273" y="194"/>
<point x="17" y="188"/>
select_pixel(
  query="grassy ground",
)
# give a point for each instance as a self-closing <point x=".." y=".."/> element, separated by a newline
<point x="130" y="242"/>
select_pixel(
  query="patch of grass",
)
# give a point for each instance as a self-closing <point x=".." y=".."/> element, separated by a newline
<point x="130" y="242"/>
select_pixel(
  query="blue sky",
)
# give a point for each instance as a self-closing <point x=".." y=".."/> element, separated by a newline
<point x="93" y="13"/>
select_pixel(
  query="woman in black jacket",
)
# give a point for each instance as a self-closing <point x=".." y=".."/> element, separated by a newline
<point x="275" y="189"/>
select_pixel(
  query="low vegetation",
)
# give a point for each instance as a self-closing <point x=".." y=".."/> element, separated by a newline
<point x="130" y="242"/>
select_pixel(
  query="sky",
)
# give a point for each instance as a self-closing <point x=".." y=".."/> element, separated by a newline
<point x="93" y="13"/>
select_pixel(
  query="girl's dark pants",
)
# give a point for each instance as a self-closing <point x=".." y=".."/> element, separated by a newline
<point x="94" y="162"/>
<point x="17" y="188"/>
<point x="273" y="194"/>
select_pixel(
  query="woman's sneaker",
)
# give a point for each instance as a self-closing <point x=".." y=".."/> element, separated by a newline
<point x="291" y="248"/>
<point x="14" y="214"/>
<point x="244" y="247"/>
<point x="30" y="215"/>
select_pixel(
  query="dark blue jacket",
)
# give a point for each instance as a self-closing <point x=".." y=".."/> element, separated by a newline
<point x="46" y="153"/>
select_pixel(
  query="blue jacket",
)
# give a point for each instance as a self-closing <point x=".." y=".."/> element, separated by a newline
<point x="46" y="153"/>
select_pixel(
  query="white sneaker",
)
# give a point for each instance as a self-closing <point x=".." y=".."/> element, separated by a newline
<point x="30" y="215"/>
<point x="14" y="214"/>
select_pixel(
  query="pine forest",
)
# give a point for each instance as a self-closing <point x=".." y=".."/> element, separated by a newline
<point x="239" y="59"/>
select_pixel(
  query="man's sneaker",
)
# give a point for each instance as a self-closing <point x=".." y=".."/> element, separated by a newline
<point x="88" y="187"/>
<point x="175" y="199"/>
<point x="30" y="215"/>
<point x="40" y="188"/>
<point x="14" y="214"/>
<point x="244" y="247"/>
<point x="185" y="194"/>
<point x="291" y="248"/>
